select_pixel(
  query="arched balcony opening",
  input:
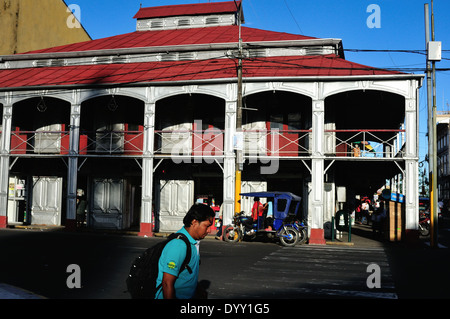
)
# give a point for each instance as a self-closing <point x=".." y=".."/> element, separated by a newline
<point x="365" y="138"/>
<point x="365" y="124"/>
<point x="277" y="123"/>
<point x="112" y="125"/>
<point x="40" y="125"/>
<point x="190" y="125"/>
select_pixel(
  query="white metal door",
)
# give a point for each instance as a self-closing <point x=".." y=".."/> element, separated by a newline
<point x="46" y="202"/>
<point x="176" y="197"/>
<point x="107" y="204"/>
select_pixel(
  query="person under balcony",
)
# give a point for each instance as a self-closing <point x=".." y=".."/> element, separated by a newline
<point x="379" y="217"/>
<point x="81" y="207"/>
<point x="268" y="215"/>
<point x="257" y="212"/>
<point x="356" y="151"/>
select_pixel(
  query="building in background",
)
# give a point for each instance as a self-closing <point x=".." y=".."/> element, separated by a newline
<point x="29" y="25"/>
<point x="443" y="156"/>
<point x="146" y="124"/>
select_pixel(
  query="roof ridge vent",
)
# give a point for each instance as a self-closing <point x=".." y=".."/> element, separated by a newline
<point x="186" y="56"/>
<point x="212" y="20"/>
<point x="41" y="63"/>
<point x="119" y="59"/>
<point x="156" y="24"/>
<point x="257" y="53"/>
<point x="57" y="62"/>
<point x="169" y="57"/>
<point x="102" y="60"/>
<point x="184" y="22"/>
<point x="314" y="50"/>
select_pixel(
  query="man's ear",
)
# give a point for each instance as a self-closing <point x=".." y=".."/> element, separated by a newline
<point x="194" y="222"/>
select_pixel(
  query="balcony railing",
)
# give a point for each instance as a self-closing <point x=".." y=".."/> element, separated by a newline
<point x="40" y="142"/>
<point x="286" y="143"/>
<point x="114" y="142"/>
<point x="190" y="142"/>
<point x="210" y="142"/>
<point x="58" y="142"/>
<point x="382" y="143"/>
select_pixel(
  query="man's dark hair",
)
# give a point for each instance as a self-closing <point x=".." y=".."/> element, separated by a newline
<point x="199" y="212"/>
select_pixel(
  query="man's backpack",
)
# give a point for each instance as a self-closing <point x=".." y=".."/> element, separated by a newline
<point x="141" y="281"/>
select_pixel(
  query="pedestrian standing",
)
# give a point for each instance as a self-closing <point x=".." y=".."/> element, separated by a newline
<point x="379" y="217"/>
<point x="220" y="223"/>
<point x="81" y="208"/>
<point x="257" y="212"/>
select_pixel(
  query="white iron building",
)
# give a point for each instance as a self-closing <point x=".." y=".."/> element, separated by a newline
<point x="145" y="124"/>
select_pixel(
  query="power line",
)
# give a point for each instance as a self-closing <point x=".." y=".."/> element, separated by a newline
<point x="421" y="52"/>
<point x="387" y="50"/>
<point x="293" y="17"/>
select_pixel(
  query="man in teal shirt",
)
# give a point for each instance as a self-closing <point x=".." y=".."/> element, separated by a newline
<point x="183" y="285"/>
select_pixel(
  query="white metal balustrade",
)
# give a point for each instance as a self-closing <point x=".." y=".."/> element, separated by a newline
<point x="381" y="143"/>
<point x="385" y="143"/>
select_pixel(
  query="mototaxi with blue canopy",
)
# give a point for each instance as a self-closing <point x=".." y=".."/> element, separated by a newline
<point x="284" y="204"/>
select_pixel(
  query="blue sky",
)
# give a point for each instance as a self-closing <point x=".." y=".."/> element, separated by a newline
<point x="402" y="27"/>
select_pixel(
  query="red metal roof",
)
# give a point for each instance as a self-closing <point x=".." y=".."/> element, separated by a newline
<point x="138" y="39"/>
<point x="273" y="67"/>
<point x="187" y="9"/>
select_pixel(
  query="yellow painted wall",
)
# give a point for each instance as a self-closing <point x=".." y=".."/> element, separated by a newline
<point x="28" y="25"/>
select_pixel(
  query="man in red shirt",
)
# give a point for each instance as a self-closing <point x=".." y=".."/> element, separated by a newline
<point x="257" y="211"/>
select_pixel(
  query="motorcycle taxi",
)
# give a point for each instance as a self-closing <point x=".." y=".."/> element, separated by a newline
<point x="286" y="226"/>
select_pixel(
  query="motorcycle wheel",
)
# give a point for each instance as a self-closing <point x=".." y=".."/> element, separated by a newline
<point x="303" y="236"/>
<point x="232" y="234"/>
<point x="424" y="229"/>
<point x="289" y="237"/>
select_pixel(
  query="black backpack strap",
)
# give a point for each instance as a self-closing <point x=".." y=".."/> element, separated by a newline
<point x="185" y="264"/>
<point x="186" y="261"/>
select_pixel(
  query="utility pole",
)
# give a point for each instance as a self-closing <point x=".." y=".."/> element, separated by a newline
<point x="433" y="55"/>
<point x="239" y="150"/>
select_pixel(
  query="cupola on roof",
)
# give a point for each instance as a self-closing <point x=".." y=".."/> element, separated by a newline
<point x="189" y="9"/>
<point x="189" y="16"/>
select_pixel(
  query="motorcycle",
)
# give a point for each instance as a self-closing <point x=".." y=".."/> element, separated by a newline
<point x="244" y="227"/>
<point x="286" y="227"/>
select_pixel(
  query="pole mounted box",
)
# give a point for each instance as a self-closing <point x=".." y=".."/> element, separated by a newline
<point x="434" y="51"/>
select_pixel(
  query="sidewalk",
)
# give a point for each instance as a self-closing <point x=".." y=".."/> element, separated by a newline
<point x="360" y="236"/>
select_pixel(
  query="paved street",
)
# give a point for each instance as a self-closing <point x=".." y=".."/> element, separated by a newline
<point x="310" y="272"/>
<point x="37" y="261"/>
